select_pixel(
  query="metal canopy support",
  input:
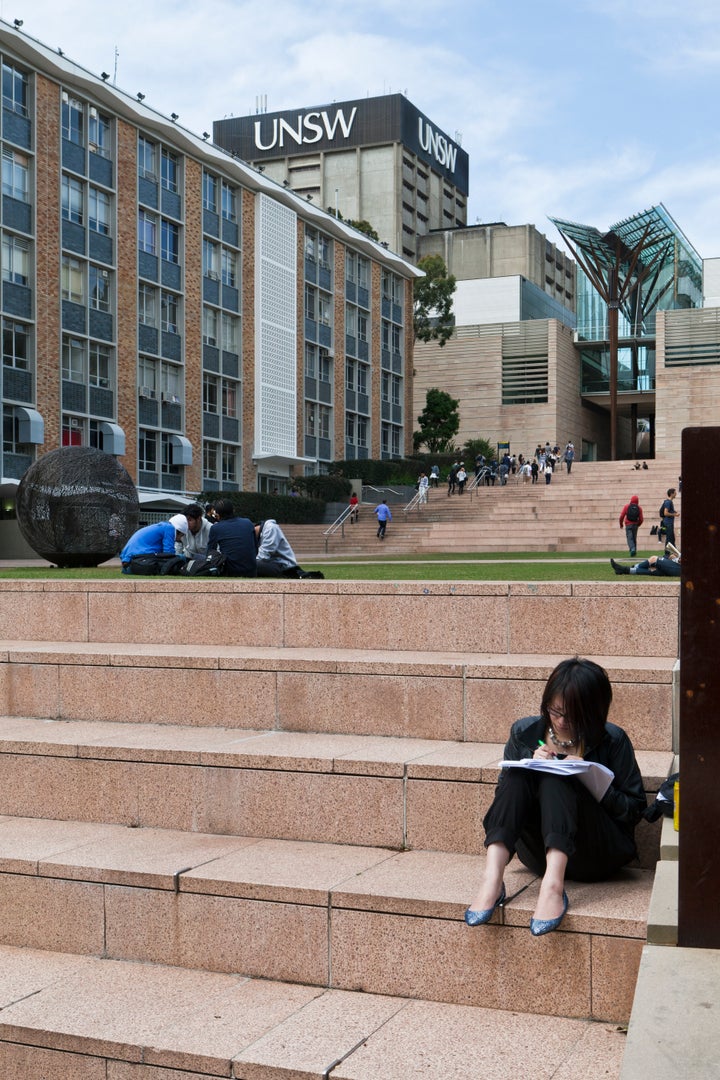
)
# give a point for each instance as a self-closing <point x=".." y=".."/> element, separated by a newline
<point x="620" y="264"/>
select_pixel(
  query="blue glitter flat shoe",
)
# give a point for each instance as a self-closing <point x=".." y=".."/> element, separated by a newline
<point x="477" y="918"/>
<point x="538" y="927"/>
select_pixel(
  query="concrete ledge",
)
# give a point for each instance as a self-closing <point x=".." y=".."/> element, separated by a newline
<point x="669" y="841"/>
<point x="663" y="914"/>
<point x="495" y="617"/>
<point x="673" y="1030"/>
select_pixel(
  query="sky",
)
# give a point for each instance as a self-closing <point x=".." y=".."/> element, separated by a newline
<point x="591" y="110"/>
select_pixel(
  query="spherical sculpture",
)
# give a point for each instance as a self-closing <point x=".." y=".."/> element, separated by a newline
<point x="77" y="506"/>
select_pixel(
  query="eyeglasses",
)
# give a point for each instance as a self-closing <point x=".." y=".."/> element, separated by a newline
<point x="558" y="714"/>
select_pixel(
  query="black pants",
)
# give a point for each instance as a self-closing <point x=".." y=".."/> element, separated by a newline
<point x="532" y="812"/>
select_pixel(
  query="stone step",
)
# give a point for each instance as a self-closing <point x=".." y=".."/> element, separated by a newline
<point x="619" y="617"/>
<point x="429" y="695"/>
<point x="82" y="1018"/>
<point x="347" y="789"/>
<point x="336" y="916"/>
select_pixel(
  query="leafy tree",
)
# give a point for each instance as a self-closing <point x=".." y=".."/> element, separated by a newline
<point x="473" y="447"/>
<point x="362" y="226"/>
<point x="433" y="318"/>
<point x="439" y="422"/>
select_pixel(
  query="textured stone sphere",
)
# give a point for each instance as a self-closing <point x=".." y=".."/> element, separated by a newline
<point x="77" y="506"/>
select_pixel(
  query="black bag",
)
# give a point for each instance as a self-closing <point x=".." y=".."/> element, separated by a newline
<point x="152" y="565"/>
<point x="633" y="513"/>
<point x="661" y="511"/>
<point x="210" y="565"/>
<point x="664" y="804"/>
<point x="654" y="530"/>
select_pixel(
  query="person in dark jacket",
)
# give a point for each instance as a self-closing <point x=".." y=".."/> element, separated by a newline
<point x="235" y="538"/>
<point x="555" y="825"/>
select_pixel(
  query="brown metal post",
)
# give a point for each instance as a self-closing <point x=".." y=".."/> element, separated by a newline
<point x="699" y="854"/>
<point x="613" y="306"/>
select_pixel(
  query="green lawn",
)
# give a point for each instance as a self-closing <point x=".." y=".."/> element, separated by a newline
<point x="529" y="566"/>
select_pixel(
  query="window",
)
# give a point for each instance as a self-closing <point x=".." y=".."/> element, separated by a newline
<point x="167" y="466"/>
<point x="351" y="266"/>
<point x="99" y="287"/>
<point x="350" y="428"/>
<point x="324" y="421"/>
<point x="350" y="320"/>
<point x="99" y="365"/>
<point x="229" y="265"/>
<point x="396" y="387"/>
<point x="363" y="272"/>
<point x="229" y="329"/>
<point x="229" y="464"/>
<point x="385" y="386"/>
<point x="98" y="132"/>
<point x="349" y="374"/>
<point x="362" y="426"/>
<point x="73" y="360"/>
<point x="148" y="375"/>
<point x="16" y="345"/>
<point x="310" y="418"/>
<point x="310" y="360"/>
<point x="170" y="241"/>
<point x="169" y="170"/>
<point x="72" y="198"/>
<point x="147" y="305"/>
<point x="229" y="398"/>
<point x="324" y="366"/>
<point x="15" y="259"/>
<point x="72" y="279"/>
<point x="72" y="119"/>
<point x="324" y="310"/>
<point x="210" y="192"/>
<point x="147" y="160"/>
<point x="147" y="233"/>
<point x="211" y="260"/>
<point x="210" y="460"/>
<point x="99" y="211"/>
<point x="324" y="251"/>
<point x="362" y="327"/>
<point x="311" y="244"/>
<point x="169" y="312"/>
<point x="228" y="202"/>
<point x="210" y="394"/>
<point x="73" y="431"/>
<point x="310" y="302"/>
<point x="15" y="170"/>
<point x="171" y="382"/>
<point x="147" y="450"/>
<point x="14" y="89"/>
<point x="362" y="375"/>
<point x="210" y="321"/>
<point x="11" y="431"/>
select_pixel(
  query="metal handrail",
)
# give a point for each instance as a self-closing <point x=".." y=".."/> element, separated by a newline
<point x="338" y="525"/>
<point x="416" y="501"/>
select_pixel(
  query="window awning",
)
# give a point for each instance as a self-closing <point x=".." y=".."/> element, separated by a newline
<point x="31" y="425"/>
<point x="113" y="438"/>
<point x="181" y="450"/>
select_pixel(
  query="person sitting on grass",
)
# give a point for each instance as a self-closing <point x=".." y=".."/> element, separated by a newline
<point x="656" y="566"/>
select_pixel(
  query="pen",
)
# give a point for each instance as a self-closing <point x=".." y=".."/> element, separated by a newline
<point x="540" y="742"/>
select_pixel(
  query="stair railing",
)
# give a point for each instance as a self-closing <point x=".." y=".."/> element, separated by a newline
<point x="338" y="525"/>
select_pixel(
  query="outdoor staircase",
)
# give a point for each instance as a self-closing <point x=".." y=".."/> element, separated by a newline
<point x="240" y="822"/>
<point x="576" y="512"/>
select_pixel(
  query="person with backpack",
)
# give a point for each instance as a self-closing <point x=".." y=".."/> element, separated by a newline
<point x="631" y="518"/>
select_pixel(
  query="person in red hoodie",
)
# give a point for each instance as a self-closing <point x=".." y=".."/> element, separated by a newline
<point x="631" y="518"/>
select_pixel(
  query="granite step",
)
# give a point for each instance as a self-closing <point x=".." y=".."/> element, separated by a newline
<point x="430" y="694"/>
<point x="82" y="1018"/>
<point x="357" y="789"/>
<point x="337" y="916"/>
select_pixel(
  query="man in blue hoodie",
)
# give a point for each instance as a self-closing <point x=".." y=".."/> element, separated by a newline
<point x="157" y="539"/>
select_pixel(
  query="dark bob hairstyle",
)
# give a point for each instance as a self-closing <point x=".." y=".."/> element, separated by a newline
<point x="584" y="689"/>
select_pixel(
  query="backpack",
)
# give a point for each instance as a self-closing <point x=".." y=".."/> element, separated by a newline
<point x="633" y="513"/>
<point x="210" y="565"/>
<point x="664" y="804"/>
<point x="157" y="564"/>
<point x="661" y="511"/>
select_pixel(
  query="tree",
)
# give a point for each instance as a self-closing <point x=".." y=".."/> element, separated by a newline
<point x="433" y="318"/>
<point x="362" y="226"/>
<point x="439" y="422"/>
<point x="473" y="447"/>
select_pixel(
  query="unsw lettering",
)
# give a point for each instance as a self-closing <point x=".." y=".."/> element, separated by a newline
<point x="308" y="128"/>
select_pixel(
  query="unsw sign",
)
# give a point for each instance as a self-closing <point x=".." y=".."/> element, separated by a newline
<point x="372" y="121"/>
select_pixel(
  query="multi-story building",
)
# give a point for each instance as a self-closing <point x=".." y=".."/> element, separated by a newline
<point x="526" y="369"/>
<point x="376" y="159"/>
<point x="172" y="305"/>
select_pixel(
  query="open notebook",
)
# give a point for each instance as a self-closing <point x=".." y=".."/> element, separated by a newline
<point x="596" y="778"/>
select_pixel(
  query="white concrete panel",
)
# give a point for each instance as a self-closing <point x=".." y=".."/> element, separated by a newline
<point x="487" y="300"/>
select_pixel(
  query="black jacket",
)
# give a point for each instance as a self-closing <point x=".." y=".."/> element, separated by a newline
<point x="625" y="798"/>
